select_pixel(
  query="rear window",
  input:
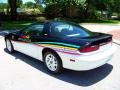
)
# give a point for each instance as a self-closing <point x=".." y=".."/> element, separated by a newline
<point x="68" y="30"/>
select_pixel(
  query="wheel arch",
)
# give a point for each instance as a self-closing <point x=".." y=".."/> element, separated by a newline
<point x="50" y="50"/>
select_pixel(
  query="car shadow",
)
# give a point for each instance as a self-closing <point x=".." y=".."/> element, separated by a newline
<point x="80" y="78"/>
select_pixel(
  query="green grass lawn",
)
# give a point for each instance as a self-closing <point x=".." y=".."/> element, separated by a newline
<point x="104" y="21"/>
<point x="10" y="25"/>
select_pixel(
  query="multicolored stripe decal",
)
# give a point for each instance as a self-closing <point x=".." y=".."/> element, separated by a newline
<point x="57" y="43"/>
<point x="60" y="47"/>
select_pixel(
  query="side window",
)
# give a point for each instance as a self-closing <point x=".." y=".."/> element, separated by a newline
<point x="34" y="30"/>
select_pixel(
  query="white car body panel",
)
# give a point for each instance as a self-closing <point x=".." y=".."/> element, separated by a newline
<point x="28" y="49"/>
<point x="84" y="61"/>
<point x="87" y="62"/>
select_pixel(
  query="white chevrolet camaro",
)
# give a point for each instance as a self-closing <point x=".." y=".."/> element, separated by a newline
<point x="62" y="45"/>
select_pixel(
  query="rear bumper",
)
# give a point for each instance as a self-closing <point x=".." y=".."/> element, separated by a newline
<point x="82" y="64"/>
<point x="88" y="62"/>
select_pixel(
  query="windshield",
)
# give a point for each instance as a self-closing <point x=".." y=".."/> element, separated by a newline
<point x="68" y="30"/>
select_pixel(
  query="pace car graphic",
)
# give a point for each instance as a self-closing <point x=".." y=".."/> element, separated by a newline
<point x="60" y="47"/>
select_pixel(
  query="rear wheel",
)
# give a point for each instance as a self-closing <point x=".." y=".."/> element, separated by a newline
<point x="9" y="46"/>
<point x="53" y="62"/>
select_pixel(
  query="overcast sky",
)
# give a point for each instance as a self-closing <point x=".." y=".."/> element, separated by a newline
<point x="5" y="1"/>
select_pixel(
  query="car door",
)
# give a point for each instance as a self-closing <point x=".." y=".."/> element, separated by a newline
<point x="27" y="38"/>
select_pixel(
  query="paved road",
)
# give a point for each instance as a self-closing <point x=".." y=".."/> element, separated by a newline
<point x="20" y="72"/>
<point x="101" y="27"/>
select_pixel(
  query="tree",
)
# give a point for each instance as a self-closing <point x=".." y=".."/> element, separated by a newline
<point x="13" y="5"/>
<point x="19" y="3"/>
<point x="87" y="8"/>
<point x="116" y="7"/>
<point x="57" y="8"/>
<point x="100" y="5"/>
<point x="13" y="9"/>
<point x="29" y="4"/>
<point x="3" y="5"/>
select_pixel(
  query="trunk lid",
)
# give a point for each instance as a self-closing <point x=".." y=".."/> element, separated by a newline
<point x="96" y="43"/>
<point x="98" y="39"/>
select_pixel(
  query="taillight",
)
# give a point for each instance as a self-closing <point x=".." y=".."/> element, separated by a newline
<point x="89" y="48"/>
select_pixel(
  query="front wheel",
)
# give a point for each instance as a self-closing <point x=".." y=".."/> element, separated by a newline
<point x="53" y="62"/>
<point x="9" y="46"/>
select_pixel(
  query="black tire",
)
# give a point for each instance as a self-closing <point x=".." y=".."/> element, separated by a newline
<point x="59" y="67"/>
<point x="8" y="49"/>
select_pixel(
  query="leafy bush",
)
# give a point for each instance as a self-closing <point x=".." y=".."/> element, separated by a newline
<point x="52" y="11"/>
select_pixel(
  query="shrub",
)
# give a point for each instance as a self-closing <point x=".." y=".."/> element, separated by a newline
<point x="52" y="11"/>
